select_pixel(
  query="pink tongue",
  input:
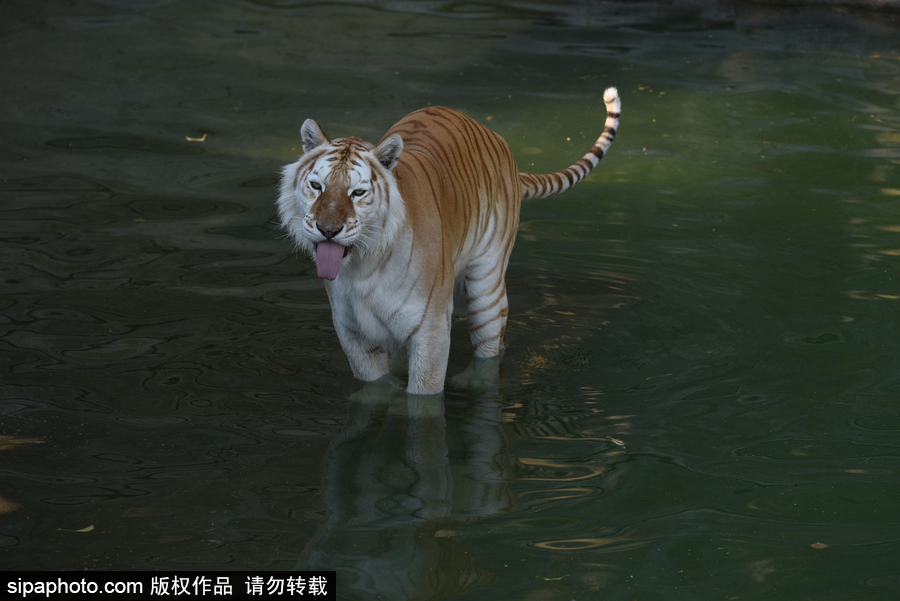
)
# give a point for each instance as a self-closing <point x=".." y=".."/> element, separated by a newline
<point x="328" y="259"/>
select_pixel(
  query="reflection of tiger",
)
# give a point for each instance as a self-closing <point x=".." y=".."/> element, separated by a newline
<point x="394" y="227"/>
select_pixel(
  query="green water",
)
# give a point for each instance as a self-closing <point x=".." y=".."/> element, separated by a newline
<point x="699" y="399"/>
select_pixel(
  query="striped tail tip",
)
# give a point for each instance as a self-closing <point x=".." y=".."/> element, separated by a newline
<point x="549" y="184"/>
<point x="612" y="101"/>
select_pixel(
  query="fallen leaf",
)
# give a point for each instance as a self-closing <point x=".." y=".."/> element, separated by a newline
<point x="7" y="506"/>
<point x="88" y="529"/>
<point x="11" y="442"/>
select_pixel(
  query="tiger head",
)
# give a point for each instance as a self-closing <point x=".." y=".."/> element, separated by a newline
<point x="341" y="198"/>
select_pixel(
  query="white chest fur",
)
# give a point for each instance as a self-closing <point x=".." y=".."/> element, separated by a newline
<point x="379" y="302"/>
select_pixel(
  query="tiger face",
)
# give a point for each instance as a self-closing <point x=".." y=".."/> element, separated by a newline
<point x="337" y="199"/>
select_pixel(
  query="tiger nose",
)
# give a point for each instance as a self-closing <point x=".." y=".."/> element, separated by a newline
<point x="329" y="233"/>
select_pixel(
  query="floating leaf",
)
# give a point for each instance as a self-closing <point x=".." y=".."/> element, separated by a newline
<point x="7" y="506"/>
<point x="819" y="546"/>
<point x="88" y="529"/>
<point x="549" y="579"/>
<point x="11" y="442"/>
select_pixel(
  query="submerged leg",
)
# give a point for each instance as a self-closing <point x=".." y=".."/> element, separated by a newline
<point x="429" y="351"/>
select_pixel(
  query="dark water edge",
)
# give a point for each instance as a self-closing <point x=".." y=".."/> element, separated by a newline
<point x="699" y="396"/>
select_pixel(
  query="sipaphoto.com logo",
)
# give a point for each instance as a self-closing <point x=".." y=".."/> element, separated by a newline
<point x="70" y="585"/>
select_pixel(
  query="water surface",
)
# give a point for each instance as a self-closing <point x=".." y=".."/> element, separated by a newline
<point x="699" y="396"/>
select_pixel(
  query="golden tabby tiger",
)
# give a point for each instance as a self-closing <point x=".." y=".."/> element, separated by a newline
<point x="394" y="228"/>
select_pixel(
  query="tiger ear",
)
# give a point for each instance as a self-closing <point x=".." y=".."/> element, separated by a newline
<point x="388" y="152"/>
<point x="312" y="135"/>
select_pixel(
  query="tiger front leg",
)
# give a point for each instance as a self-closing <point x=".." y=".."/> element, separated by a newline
<point x="429" y="351"/>
<point x="368" y="361"/>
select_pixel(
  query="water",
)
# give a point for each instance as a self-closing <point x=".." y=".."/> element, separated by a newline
<point x="699" y="398"/>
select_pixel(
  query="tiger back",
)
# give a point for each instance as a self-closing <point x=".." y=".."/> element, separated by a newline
<point x="394" y="228"/>
<point x="459" y="172"/>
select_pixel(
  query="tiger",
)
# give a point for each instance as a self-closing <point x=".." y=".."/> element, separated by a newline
<point x="398" y="229"/>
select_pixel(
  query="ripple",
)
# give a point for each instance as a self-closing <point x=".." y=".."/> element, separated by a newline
<point x="152" y="421"/>
<point x="111" y="143"/>
<point x="118" y="349"/>
<point x="538" y="497"/>
<point x="817" y="339"/>
<point x="168" y="207"/>
<point x="878" y="423"/>
<point x="815" y="450"/>
<point x="618" y="543"/>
